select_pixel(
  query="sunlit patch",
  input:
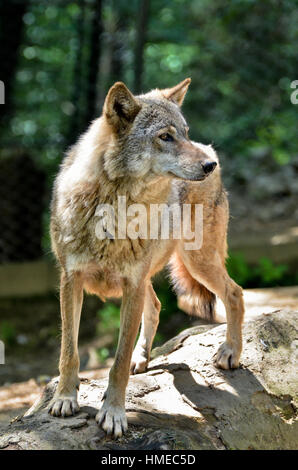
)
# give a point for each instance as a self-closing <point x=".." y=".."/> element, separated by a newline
<point x="266" y="301"/>
<point x="290" y="235"/>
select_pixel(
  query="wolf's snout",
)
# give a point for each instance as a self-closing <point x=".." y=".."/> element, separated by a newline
<point x="208" y="167"/>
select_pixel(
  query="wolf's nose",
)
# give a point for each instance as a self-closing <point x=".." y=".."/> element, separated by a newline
<point x="208" y="167"/>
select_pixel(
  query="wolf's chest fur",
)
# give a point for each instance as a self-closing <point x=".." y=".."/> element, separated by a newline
<point x="74" y="224"/>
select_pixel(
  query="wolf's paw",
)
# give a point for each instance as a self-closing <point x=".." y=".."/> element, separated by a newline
<point x="63" y="406"/>
<point x="138" y="363"/>
<point x="227" y="357"/>
<point x="112" y="419"/>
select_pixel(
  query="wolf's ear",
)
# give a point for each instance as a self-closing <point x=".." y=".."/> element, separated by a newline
<point x="120" y="107"/>
<point x="178" y="92"/>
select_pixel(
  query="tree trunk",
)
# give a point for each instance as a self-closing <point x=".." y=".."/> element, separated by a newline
<point x="75" y="127"/>
<point x="184" y="401"/>
<point x="94" y="60"/>
<point x="11" y="32"/>
<point x="143" y="17"/>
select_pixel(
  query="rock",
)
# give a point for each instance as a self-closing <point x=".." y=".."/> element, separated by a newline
<point x="184" y="401"/>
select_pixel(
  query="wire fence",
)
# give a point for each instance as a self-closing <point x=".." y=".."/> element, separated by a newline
<point x="22" y="202"/>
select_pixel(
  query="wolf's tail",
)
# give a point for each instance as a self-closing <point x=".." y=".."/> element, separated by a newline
<point x="194" y="298"/>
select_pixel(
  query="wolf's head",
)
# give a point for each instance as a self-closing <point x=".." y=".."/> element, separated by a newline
<point x="150" y="136"/>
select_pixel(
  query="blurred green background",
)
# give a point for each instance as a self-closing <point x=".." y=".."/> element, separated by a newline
<point x="58" y="60"/>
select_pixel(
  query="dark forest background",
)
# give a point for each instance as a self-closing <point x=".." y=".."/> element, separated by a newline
<point x="58" y="60"/>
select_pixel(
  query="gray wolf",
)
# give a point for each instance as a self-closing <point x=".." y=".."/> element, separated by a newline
<point x="139" y="148"/>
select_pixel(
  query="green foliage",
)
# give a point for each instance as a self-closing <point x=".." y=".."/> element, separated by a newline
<point x="241" y="56"/>
<point x="268" y="273"/>
<point x="238" y="268"/>
<point x="8" y="333"/>
<point x="108" y="318"/>
<point x="103" y="354"/>
<point x="264" y="274"/>
<point x="108" y="324"/>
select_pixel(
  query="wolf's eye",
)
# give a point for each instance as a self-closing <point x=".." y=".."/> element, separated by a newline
<point x="166" y="137"/>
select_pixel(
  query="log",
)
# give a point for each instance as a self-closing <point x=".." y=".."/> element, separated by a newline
<point x="183" y="401"/>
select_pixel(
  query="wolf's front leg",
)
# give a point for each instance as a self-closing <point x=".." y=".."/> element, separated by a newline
<point x="64" y="402"/>
<point x="112" y="414"/>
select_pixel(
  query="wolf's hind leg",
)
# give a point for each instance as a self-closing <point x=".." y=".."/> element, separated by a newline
<point x="213" y="275"/>
<point x="229" y="352"/>
<point x="150" y="320"/>
<point x="64" y="402"/>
